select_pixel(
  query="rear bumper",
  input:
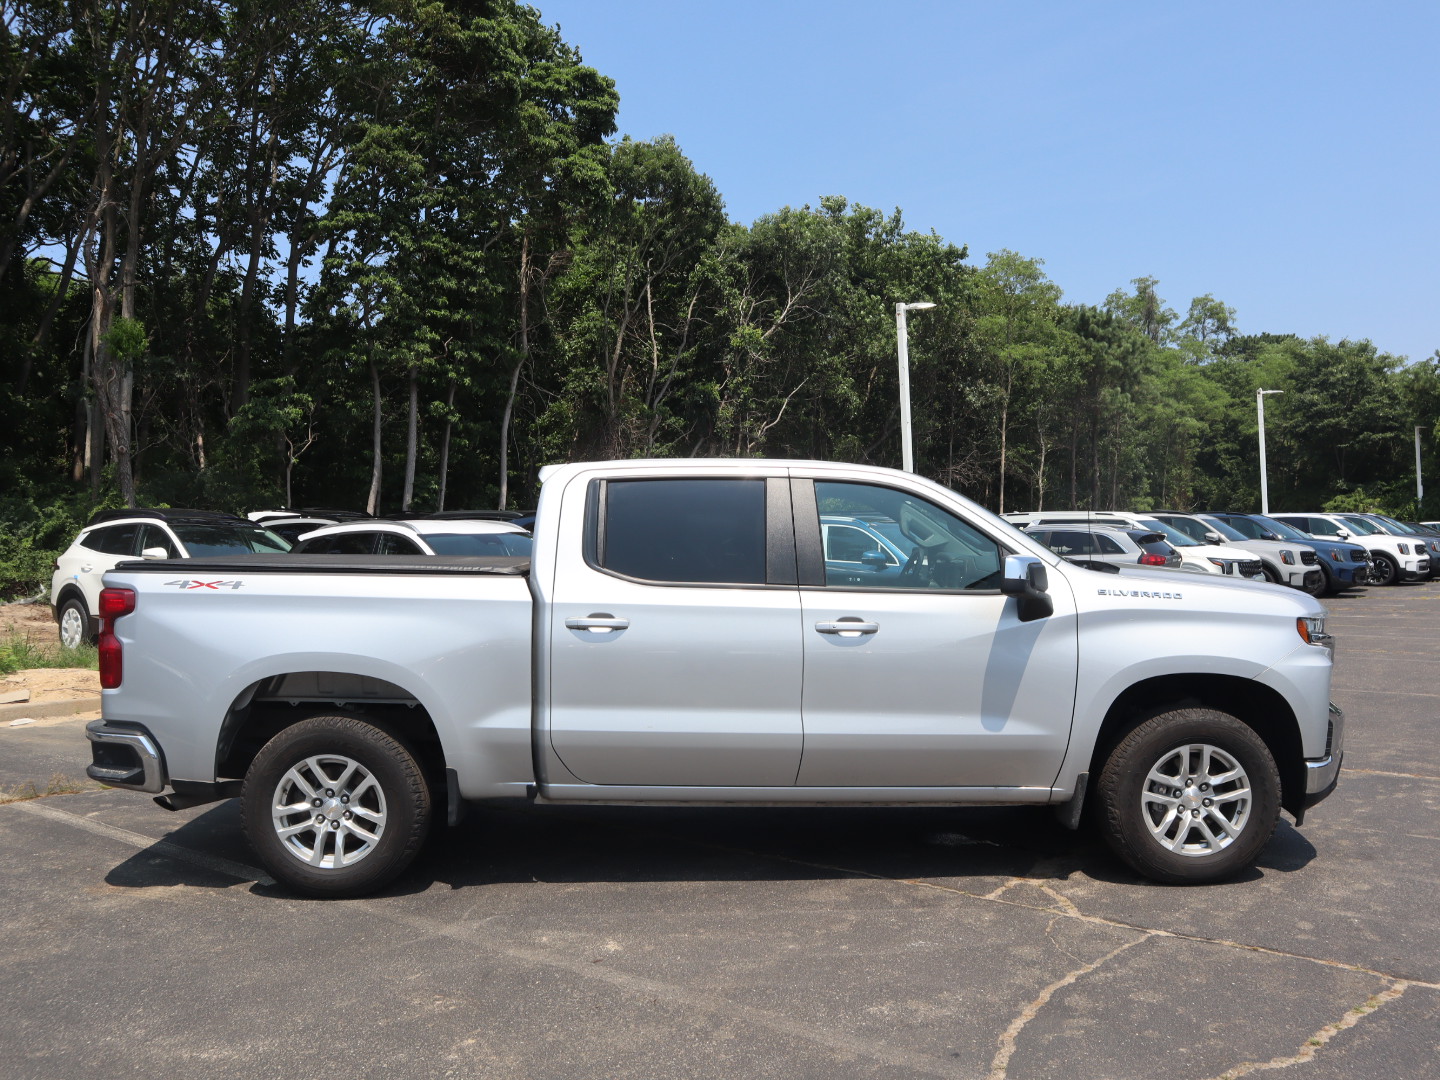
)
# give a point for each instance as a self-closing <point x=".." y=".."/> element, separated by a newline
<point x="125" y="755"/>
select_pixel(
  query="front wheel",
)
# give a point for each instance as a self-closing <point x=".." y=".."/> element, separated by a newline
<point x="335" y="806"/>
<point x="1189" y="797"/>
<point x="1386" y="572"/>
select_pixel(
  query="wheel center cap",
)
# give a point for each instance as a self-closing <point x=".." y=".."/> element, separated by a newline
<point x="334" y="809"/>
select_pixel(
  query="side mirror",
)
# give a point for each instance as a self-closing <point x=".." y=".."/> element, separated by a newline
<point x="1026" y="579"/>
<point x="155" y="553"/>
<point x="1343" y="535"/>
<point x="873" y="559"/>
<point x="1212" y="537"/>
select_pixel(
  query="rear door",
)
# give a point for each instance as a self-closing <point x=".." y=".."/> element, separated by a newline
<point x="930" y="680"/>
<point x="675" y="645"/>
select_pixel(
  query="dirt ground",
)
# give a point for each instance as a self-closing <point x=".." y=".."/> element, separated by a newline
<point x="34" y="623"/>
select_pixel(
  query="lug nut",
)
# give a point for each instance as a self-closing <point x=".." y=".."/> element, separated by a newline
<point x="348" y="815"/>
<point x="1194" y="813"/>
<point x="345" y="798"/>
<point x="1204" y="787"/>
<point x="336" y="824"/>
<point x="329" y="793"/>
<point x="1209" y="802"/>
<point x="316" y="802"/>
<point x="319" y="819"/>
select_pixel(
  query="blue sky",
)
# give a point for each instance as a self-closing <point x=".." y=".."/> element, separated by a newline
<point x="1281" y="156"/>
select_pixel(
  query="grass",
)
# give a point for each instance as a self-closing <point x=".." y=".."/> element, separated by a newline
<point x="19" y="651"/>
<point x="59" y="784"/>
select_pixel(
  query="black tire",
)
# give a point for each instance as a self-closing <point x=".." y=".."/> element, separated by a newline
<point x="334" y="846"/>
<point x="1272" y="575"/>
<point x="1135" y="810"/>
<point x="1321" y="585"/>
<point x="1329" y="586"/>
<point x="72" y="613"/>
<point x="1386" y="572"/>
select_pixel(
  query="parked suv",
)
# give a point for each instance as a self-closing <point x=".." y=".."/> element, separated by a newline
<point x="1284" y="562"/>
<point x="112" y="536"/>
<point x="1343" y="564"/>
<point x="447" y="535"/>
<point x="1396" y="560"/>
<point x="1087" y="545"/>
<point x="1415" y="532"/>
<point x="1197" y="556"/>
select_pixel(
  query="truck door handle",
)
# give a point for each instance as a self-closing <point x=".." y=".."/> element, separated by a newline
<point x="848" y="626"/>
<point x="598" y="623"/>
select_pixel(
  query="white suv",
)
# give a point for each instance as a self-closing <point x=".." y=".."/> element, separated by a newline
<point x="1202" y="558"/>
<point x="1397" y="559"/>
<point x="113" y="536"/>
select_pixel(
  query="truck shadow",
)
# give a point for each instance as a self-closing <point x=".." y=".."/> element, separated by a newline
<point x="570" y="845"/>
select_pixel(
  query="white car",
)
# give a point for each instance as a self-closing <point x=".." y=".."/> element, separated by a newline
<point x="441" y="534"/>
<point x="1198" y="557"/>
<point x="292" y="524"/>
<point x="112" y="536"/>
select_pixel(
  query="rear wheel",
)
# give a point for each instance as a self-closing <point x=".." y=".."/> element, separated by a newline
<point x="1386" y="571"/>
<point x="76" y="627"/>
<point x="335" y="806"/>
<point x="1189" y="797"/>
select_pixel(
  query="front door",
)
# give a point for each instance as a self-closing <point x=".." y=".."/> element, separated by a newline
<point x="939" y="684"/>
<point x="675" y="645"/>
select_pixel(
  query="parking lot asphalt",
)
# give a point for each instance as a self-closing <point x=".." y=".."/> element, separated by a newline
<point x="627" y="942"/>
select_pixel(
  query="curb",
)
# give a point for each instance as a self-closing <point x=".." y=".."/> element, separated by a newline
<point x="38" y="709"/>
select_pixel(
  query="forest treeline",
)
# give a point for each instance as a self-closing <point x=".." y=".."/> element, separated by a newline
<point x="388" y="255"/>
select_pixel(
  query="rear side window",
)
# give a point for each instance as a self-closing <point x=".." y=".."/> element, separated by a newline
<point x="1072" y="542"/>
<point x="356" y="543"/>
<point x="1108" y="545"/>
<point x="116" y="540"/>
<point x="708" y="531"/>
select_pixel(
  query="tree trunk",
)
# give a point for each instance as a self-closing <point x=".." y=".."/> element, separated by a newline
<point x="411" y="439"/>
<point x="505" y="418"/>
<point x="372" y="503"/>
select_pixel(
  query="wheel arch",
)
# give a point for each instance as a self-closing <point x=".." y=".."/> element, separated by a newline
<point x="1258" y="706"/>
<point x="70" y="591"/>
<point x="269" y="705"/>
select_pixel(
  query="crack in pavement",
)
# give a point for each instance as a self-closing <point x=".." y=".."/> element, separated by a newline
<point x="1317" y="1042"/>
<point x="1007" y="1042"/>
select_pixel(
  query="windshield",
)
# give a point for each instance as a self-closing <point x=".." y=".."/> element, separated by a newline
<point x="1398" y="525"/>
<point x="203" y="540"/>
<point x="1288" y="532"/>
<point x="516" y="544"/>
<point x="1360" y="525"/>
<point x="1232" y="532"/>
<point x="1175" y="536"/>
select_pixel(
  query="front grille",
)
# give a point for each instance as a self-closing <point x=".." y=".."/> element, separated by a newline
<point x="1357" y="555"/>
<point x="1251" y="568"/>
<point x="1309" y="558"/>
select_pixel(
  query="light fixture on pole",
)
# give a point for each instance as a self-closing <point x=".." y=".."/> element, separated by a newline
<point x="1264" y="482"/>
<point x="902" y="338"/>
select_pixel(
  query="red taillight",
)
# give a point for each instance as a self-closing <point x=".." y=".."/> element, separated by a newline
<point x="1152" y="560"/>
<point x="113" y="604"/>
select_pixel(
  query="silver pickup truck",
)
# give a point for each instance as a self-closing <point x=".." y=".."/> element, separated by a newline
<point x="687" y="632"/>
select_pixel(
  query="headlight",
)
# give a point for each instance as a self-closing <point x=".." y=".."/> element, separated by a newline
<point x="1287" y="557"/>
<point x="1224" y="567"/>
<point x="1312" y="630"/>
<point x="1336" y="555"/>
<point x="1404" y="549"/>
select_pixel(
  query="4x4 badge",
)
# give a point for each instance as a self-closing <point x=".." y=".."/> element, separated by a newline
<point x="189" y="583"/>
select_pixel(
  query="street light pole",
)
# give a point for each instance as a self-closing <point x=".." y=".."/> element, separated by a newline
<point x="902" y="340"/>
<point x="1264" y="482"/>
<point x="1419" y="483"/>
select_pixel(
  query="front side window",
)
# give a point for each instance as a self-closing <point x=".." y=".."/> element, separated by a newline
<point x="153" y="536"/>
<point x="353" y="543"/>
<point x="942" y="550"/>
<point x="702" y="531"/>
